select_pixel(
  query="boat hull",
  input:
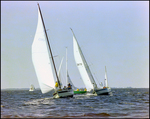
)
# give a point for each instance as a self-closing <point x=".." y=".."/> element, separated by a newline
<point x="31" y="90"/>
<point x="105" y="91"/>
<point x="79" y="92"/>
<point x="63" y="94"/>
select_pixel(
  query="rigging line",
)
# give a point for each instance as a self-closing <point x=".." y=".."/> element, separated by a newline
<point x="61" y="71"/>
<point x="90" y="66"/>
<point x="55" y="52"/>
<point x="58" y="60"/>
<point x="96" y="78"/>
<point x="62" y="74"/>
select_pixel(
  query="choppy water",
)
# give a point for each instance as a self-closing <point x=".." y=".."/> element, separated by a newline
<point x="123" y="103"/>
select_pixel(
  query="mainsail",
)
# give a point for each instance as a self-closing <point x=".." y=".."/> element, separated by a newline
<point x="42" y="57"/>
<point x="83" y="66"/>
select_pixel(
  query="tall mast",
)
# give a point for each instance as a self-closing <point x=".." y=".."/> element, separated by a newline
<point x="49" y="47"/>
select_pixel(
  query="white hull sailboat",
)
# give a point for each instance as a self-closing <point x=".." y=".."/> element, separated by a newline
<point x="63" y="93"/>
<point x="32" y="88"/>
<point x="84" y="70"/>
<point x="43" y="62"/>
<point x="106" y="88"/>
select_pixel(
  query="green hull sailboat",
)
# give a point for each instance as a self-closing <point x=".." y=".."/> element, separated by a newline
<point x="79" y="92"/>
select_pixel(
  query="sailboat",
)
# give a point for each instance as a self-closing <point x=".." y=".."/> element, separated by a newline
<point x="32" y="88"/>
<point x="76" y="90"/>
<point x="106" y="81"/>
<point x="85" y="72"/>
<point x="44" y="64"/>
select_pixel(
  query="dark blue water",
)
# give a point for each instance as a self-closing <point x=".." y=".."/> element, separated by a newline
<point x="123" y="103"/>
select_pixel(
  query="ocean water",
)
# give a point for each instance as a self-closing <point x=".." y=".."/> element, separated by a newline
<point x="122" y="103"/>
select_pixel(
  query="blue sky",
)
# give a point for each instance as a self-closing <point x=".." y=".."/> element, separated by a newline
<point x="114" y="34"/>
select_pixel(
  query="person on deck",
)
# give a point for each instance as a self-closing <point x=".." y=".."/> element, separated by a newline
<point x="64" y="87"/>
<point x="56" y="85"/>
<point x="69" y="86"/>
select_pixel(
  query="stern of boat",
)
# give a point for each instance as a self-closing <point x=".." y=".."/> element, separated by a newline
<point x="63" y="93"/>
<point x="105" y="91"/>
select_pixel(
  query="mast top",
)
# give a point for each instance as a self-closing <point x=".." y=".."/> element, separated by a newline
<point x="73" y="34"/>
<point x="38" y="4"/>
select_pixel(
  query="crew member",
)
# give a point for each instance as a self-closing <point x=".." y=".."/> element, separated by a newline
<point x="56" y="85"/>
<point x="64" y="87"/>
<point x="69" y="86"/>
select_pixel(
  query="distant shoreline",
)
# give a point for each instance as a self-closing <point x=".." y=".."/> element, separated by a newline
<point x="18" y="89"/>
<point x="39" y="88"/>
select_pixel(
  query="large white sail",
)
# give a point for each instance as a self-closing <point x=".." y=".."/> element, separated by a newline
<point x="105" y="80"/>
<point x="41" y="59"/>
<point x="83" y="66"/>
